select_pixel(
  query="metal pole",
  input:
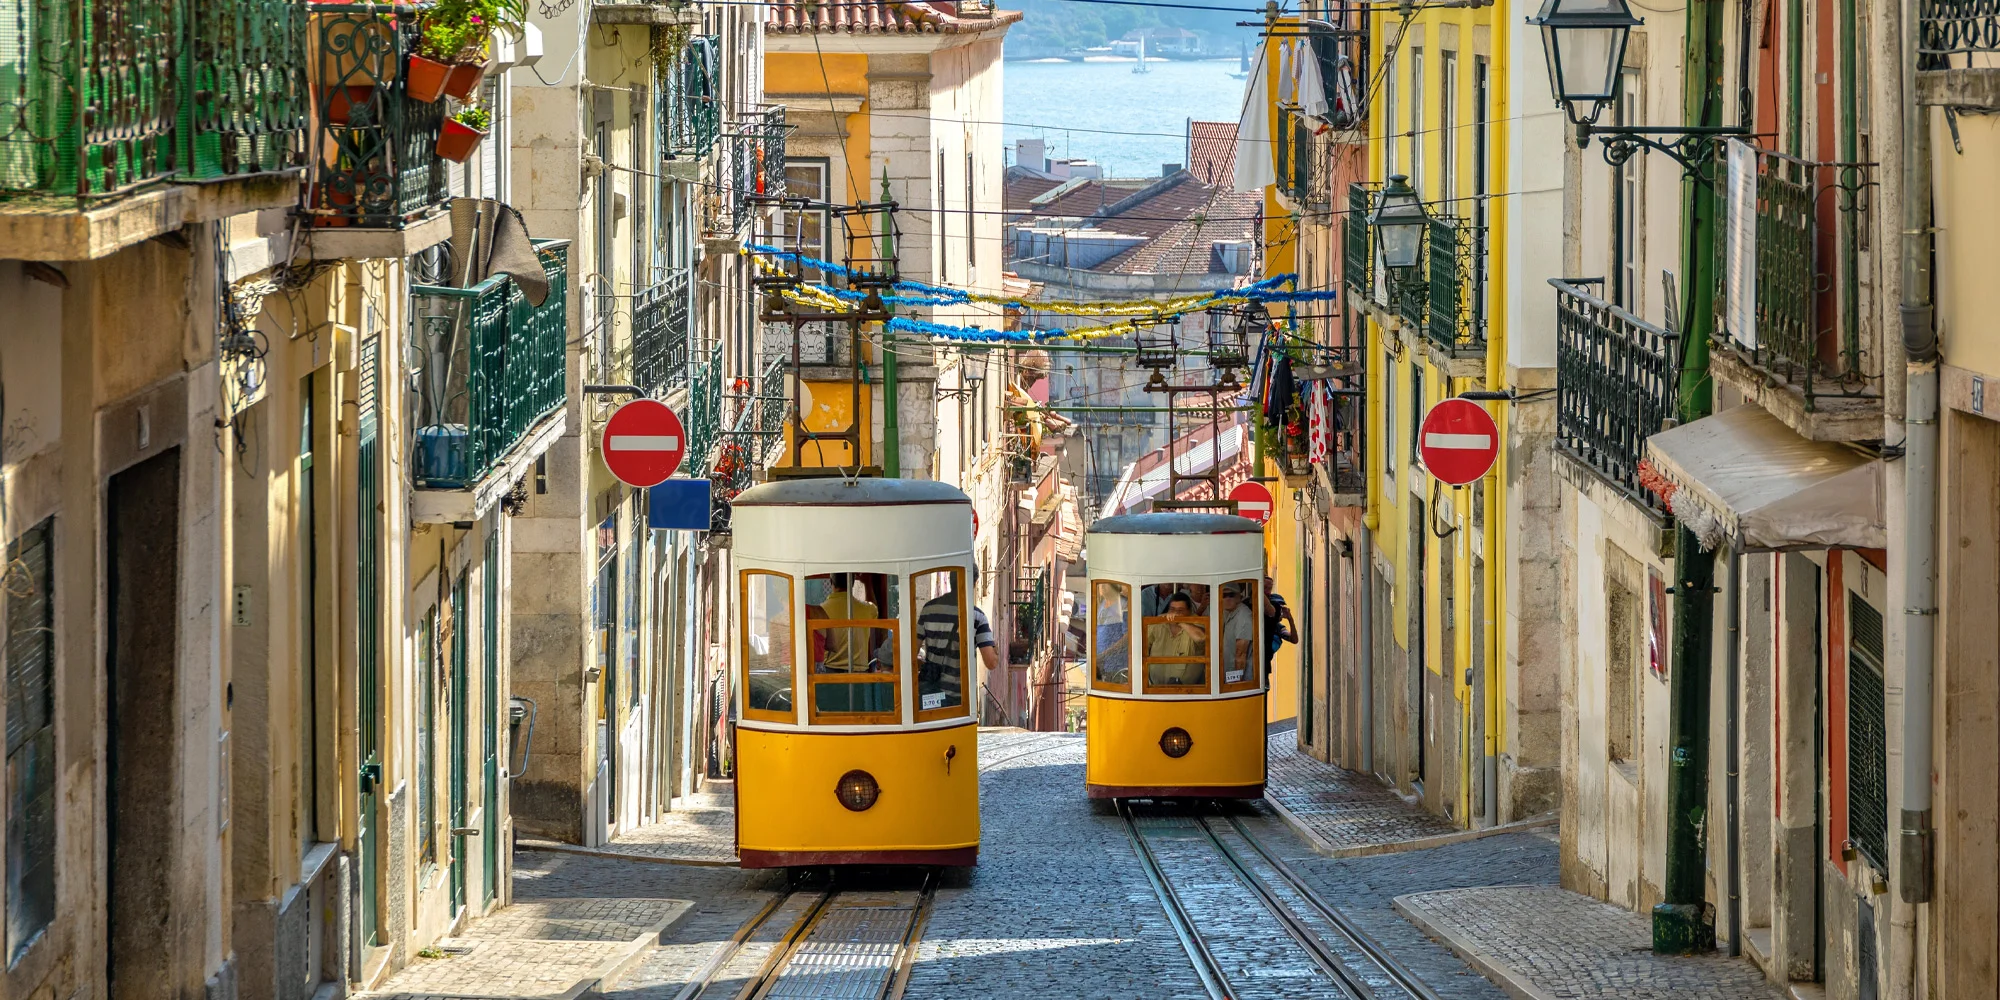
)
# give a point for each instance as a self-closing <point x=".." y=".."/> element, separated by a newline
<point x="1365" y="555"/>
<point x="892" y="430"/>
<point x="1732" y="659"/>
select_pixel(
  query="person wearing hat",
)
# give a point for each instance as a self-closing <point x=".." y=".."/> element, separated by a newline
<point x="1238" y="626"/>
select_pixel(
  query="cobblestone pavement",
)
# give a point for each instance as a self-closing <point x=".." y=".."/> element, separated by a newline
<point x="1346" y="812"/>
<point x="1549" y="942"/>
<point x="701" y="830"/>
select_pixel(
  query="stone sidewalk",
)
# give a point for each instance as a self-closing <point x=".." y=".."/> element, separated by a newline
<point x="701" y="830"/>
<point x="559" y="949"/>
<point x="1345" y="814"/>
<point x="1540" y="942"/>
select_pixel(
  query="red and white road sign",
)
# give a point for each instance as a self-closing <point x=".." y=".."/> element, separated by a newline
<point x="1253" y="501"/>
<point x="1458" y="441"/>
<point x="644" y="443"/>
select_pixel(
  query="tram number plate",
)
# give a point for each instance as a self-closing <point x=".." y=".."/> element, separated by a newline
<point x="931" y="701"/>
<point x="1233" y="676"/>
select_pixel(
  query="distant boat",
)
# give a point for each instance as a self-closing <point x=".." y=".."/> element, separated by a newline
<point x="1242" y="62"/>
<point x="1140" y="66"/>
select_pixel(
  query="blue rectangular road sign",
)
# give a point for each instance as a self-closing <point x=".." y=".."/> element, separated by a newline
<point x="681" y="504"/>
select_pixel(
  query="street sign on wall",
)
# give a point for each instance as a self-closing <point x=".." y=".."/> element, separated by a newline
<point x="1458" y="441"/>
<point x="1253" y="500"/>
<point x="680" y="505"/>
<point x="643" y="443"/>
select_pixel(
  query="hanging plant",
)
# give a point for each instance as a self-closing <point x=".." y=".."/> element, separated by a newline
<point x="463" y="132"/>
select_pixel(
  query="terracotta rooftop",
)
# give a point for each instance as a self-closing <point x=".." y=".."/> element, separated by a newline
<point x="1212" y="152"/>
<point x="879" y="16"/>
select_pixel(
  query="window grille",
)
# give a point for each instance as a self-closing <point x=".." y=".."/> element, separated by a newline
<point x="31" y="744"/>
<point x="1867" y="735"/>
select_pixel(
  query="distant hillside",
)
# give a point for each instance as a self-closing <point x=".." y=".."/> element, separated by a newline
<point x="1056" y="27"/>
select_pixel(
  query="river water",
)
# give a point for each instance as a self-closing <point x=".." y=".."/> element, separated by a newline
<point x="1092" y="109"/>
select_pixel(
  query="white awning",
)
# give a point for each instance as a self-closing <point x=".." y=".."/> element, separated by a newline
<point x="1742" y="474"/>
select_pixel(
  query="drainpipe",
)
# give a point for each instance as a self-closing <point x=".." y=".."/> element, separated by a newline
<point x="1492" y="700"/>
<point x="1732" y="661"/>
<point x="892" y="430"/>
<point x="1920" y="485"/>
<point x="1365" y="555"/>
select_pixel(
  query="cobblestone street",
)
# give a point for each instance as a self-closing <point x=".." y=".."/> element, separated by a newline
<point x="1060" y="906"/>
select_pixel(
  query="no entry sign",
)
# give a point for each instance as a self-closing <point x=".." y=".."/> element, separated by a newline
<point x="643" y="443"/>
<point x="1252" y="501"/>
<point x="1458" y="441"/>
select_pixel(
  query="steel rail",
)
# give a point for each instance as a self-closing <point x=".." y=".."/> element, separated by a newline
<point x="781" y="954"/>
<point x="1206" y="967"/>
<point x="1315" y="949"/>
<point x="912" y="938"/>
<point x="1395" y="970"/>
<point x="705" y="976"/>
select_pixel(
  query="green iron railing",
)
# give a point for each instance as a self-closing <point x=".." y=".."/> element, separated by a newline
<point x="98" y="97"/>
<point x="489" y="368"/>
<point x="1616" y="385"/>
<point x="1295" y="156"/>
<point x="660" y="327"/>
<point x="703" y="420"/>
<point x="1456" y="319"/>
<point x="690" y="96"/>
<point x="1358" y="251"/>
<point x="374" y="156"/>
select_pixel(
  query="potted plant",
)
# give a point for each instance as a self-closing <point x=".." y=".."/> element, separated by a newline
<point x="463" y="132"/>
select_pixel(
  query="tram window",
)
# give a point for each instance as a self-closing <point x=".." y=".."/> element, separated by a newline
<point x="1112" y="645"/>
<point x="767" y="646"/>
<point x="1236" y="620"/>
<point x="1177" y="642"/>
<point x="851" y="618"/>
<point x="941" y="643"/>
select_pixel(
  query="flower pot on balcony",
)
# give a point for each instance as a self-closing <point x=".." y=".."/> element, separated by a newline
<point x="458" y="141"/>
<point x="464" y="80"/>
<point x="440" y="456"/>
<point x="425" y="81"/>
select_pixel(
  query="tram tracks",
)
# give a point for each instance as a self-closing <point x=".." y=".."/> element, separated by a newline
<point x="832" y="943"/>
<point x="1252" y="927"/>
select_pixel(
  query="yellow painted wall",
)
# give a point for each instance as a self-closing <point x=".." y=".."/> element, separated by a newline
<point x="792" y="73"/>
<point x="1281" y="537"/>
<point x="829" y="406"/>
<point x="1968" y="241"/>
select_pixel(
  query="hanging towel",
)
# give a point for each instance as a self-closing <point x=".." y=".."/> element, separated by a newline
<point x="1318" y="426"/>
<point x="1288" y="74"/>
<point x="489" y="238"/>
<point x="1312" y="89"/>
<point x="1255" y="168"/>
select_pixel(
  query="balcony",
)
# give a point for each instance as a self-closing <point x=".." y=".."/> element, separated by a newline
<point x="756" y="168"/>
<point x="654" y="12"/>
<point x="1958" y="54"/>
<point x="378" y="187"/>
<point x="703" y="417"/>
<point x="1297" y="168"/>
<point x="660" y="326"/>
<point x="1793" y="341"/>
<point x="124" y="119"/>
<point x="1616" y="385"/>
<point x="1357" y="261"/>
<point x="754" y="436"/>
<point x="690" y="96"/>
<point x="490" y="369"/>
<point x="1455" y="308"/>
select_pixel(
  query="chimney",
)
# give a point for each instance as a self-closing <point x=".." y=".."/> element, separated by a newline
<point x="1169" y="169"/>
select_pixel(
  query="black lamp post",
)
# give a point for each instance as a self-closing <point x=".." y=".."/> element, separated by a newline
<point x="1398" y="221"/>
<point x="1584" y="43"/>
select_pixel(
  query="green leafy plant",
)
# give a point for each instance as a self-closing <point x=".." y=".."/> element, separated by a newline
<point x="475" y="117"/>
<point x="456" y="30"/>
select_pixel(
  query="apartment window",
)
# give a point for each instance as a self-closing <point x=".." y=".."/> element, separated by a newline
<point x="1389" y="418"/>
<point x="1416" y="409"/>
<point x="971" y="244"/>
<point x="1621" y="671"/>
<point x="1448" y="133"/>
<point x="31" y="740"/>
<point x="1482" y="152"/>
<point x="308" y="619"/>
<point x="1867" y="734"/>
<point x="1417" y="118"/>
<point x="804" y="230"/>
<point x="942" y="221"/>
<point x="427" y="668"/>
<point x="1626" y="198"/>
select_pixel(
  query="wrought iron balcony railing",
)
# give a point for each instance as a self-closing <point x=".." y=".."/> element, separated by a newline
<point x="690" y="96"/>
<point x="703" y="420"/>
<point x="1455" y="257"/>
<point x="1955" y="27"/>
<point x="98" y="97"/>
<point x="757" y="163"/>
<point x="1795" y="286"/>
<point x="1358" y="249"/>
<point x="1296" y="165"/>
<point x="754" y="436"/>
<point x="489" y="369"/>
<point x="660" y="327"/>
<point x="1616" y="386"/>
<point x="374" y="153"/>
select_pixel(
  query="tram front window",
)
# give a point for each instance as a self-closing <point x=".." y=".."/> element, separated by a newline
<point x="941" y="643"/>
<point x="1236" y="629"/>
<point x="852" y="620"/>
<point x="1112" y="644"/>
<point x="767" y="646"/>
<point x="1177" y="642"/>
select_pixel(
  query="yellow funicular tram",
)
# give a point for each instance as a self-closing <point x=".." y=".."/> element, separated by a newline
<point x="1176" y="704"/>
<point x="854" y="661"/>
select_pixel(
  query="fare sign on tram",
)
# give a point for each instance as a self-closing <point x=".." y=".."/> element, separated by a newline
<point x="1458" y="441"/>
<point x="1253" y="500"/>
<point x="643" y="443"/>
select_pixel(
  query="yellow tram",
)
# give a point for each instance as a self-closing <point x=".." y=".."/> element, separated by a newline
<point x="1176" y="704"/>
<point x="854" y="668"/>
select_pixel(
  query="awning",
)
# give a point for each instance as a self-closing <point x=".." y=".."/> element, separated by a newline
<point x="1742" y="474"/>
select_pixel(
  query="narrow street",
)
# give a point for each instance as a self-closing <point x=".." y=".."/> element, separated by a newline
<point x="1061" y="905"/>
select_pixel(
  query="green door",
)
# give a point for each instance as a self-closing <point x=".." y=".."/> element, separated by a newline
<point x="458" y="727"/>
<point x="368" y="532"/>
<point x="489" y="718"/>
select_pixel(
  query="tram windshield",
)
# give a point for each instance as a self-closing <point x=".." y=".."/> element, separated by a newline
<point x="851" y="619"/>
<point x="767" y="645"/>
<point x="941" y="643"/>
<point x="1111" y="650"/>
<point x="1236" y="630"/>
<point x="1177" y="638"/>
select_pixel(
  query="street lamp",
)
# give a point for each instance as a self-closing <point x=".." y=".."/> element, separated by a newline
<point x="1398" y="221"/>
<point x="1584" y="42"/>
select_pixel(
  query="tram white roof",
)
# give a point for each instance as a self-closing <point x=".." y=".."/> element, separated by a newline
<point x="841" y="492"/>
<point x="1175" y="523"/>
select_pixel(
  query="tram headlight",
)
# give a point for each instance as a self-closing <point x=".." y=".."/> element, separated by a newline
<point x="857" y="790"/>
<point x="1176" y="742"/>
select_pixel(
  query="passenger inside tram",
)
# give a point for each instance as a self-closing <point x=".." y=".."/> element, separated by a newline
<point x="1177" y="643"/>
<point x="859" y="639"/>
<point x="941" y="640"/>
<point x="1238" y="626"/>
<point x="1113" y="639"/>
